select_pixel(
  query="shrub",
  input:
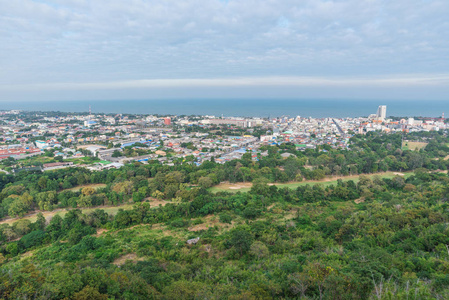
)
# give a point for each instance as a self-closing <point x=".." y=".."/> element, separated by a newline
<point x="179" y="223"/>
<point x="225" y="218"/>
<point x="32" y="239"/>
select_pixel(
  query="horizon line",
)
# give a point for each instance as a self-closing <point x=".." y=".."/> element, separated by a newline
<point x="269" y="81"/>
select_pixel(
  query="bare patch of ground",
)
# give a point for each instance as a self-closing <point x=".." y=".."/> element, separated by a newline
<point x="27" y="254"/>
<point x="234" y="186"/>
<point x="100" y="231"/>
<point x="123" y="259"/>
<point x="360" y="200"/>
<point x="210" y="221"/>
<point x="199" y="227"/>
<point x="90" y="145"/>
<point x="156" y="202"/>
<point x="290" y="215"/>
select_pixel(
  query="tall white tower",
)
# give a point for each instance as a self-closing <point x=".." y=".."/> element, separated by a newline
<point x="381" y="112"/>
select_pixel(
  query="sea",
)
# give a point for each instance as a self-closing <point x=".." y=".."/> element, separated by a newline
<point x="316" y="108"/>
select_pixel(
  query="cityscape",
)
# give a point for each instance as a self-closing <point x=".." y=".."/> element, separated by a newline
<point x="168" y="139"/>
<point x="224" y="150"/>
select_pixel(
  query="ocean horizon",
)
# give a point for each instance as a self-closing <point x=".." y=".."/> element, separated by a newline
<point x="317" y="108"/>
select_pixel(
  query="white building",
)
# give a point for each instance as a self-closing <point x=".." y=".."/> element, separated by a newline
<point x="41" y="144"/>
<point x="381" y="112"/>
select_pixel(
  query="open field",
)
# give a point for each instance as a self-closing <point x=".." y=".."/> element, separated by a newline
<point x="407" y="145"/>
<point x="83" y="160"/>
<point x="90" y="145"/>
<point x="245" y="187"/>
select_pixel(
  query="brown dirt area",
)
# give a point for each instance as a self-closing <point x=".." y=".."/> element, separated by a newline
<point x="27" y="254"/>
<point x="130" y="256"/>
<point x="89" y="145"/>
<point x="210" y="221"/>
<point x="360" y="200"/>
<point x="100" y="231"/>
<point x="156" y="202"/>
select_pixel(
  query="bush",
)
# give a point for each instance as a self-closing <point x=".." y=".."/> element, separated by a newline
<point x="198" y="221"/>
<point x="179" y="223"/>
<point x="251" y="212"/>
<point x="225" y="218"/>
<point x="241" y="240"/>
<point x="32" y="239"/>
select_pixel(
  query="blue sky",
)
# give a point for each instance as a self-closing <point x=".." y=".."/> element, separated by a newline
<point x="110" y="49"/>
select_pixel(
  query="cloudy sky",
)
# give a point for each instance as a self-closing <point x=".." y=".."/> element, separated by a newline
<point x="111" y="49"/>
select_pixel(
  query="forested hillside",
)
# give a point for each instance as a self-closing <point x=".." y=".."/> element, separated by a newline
<point x="370" y="238"/>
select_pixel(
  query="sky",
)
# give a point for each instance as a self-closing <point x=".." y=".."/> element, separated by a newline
<point x="136" y="49"/>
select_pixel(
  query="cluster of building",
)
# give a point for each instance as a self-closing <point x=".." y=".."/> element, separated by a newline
<point x="380" y="122"/>
<point x="119" y="139"/>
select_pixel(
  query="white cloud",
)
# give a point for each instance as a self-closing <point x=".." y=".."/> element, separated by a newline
<point x="84" y="42"/>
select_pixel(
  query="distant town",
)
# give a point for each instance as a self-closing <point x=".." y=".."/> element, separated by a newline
<point x="52" y="140"/>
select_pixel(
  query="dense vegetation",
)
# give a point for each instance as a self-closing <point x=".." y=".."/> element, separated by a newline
<point x="371" y="239"/>
<point x="28" y="191"/>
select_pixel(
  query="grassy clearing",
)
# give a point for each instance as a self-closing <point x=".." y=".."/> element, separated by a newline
<point x="156" y="202"/>
<point x="83" y="160"/>
<point x="78" y="188"/>
<point x="245" y="187"/>
<point x="209" y="222"/>
<point x="407" y="145"/>
<point x="127" y="257"/>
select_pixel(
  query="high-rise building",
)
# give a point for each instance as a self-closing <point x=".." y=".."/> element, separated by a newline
<point x="381" y="112"/>
<point x="167" y="121"/>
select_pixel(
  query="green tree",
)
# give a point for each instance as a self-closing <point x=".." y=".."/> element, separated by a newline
<point x="259" y="250"/>
<point x="260" y="187"/>
<point x="241" y="240"/>
<point x="89" y="293"/>
<point x="205" y="182"/>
